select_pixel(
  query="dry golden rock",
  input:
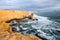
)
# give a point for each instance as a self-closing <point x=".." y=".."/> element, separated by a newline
<point x="7" y="15"/>
<point x="6" y="32"/>
<point x="5" y="35"/>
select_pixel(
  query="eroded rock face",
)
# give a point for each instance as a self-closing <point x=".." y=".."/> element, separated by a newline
<point x="5" y="35"/>
<point x="6" y="15"/>
<point x="6" y="30"/>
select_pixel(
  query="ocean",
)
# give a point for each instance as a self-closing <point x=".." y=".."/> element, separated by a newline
<point x="45" y="27"/>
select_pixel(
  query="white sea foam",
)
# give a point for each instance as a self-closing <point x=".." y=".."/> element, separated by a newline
<point x="44" y="27"/>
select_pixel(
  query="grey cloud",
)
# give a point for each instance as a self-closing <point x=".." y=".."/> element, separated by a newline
<point x="29" y="4"/>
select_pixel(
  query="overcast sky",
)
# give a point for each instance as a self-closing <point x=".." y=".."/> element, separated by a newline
<point x="5" y="4"/>
<point x="31" y="5"/>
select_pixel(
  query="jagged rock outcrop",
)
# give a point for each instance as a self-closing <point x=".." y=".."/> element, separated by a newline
<point x="5" y="35"/>
<point x="6" y="30"/>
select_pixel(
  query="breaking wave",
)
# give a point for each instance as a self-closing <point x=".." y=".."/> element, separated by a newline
<point x="43" y="27"/>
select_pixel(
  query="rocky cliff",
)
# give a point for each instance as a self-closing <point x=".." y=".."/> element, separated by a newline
<point x="5" y="35"/>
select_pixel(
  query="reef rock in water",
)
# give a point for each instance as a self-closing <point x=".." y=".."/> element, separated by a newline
<point x="5" y="35"/>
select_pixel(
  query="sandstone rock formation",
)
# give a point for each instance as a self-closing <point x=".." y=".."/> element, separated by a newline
<point x="6" y="30"/>
<point x="6" y="15"/>
<point x="5" y="35"/>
